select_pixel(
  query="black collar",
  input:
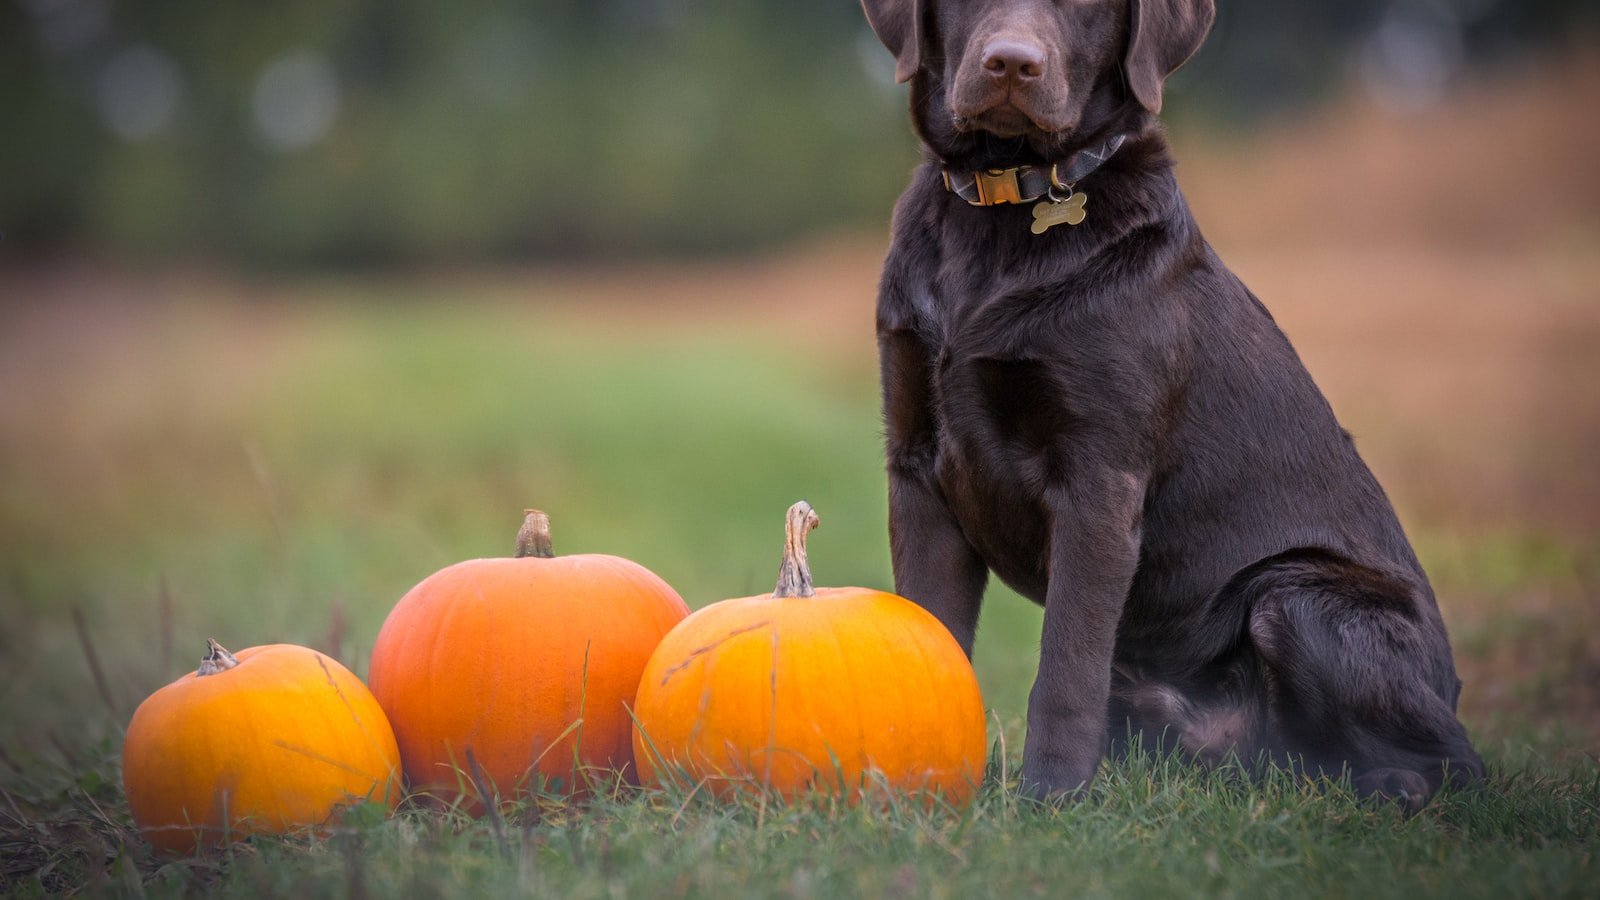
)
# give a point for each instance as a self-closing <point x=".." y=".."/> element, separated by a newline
<point x="1024" y="184"/>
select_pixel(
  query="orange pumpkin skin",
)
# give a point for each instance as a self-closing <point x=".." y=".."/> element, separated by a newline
<point x="505" y="657"/>
<point x="811" y="693"/>
<point x="277" y="743"/>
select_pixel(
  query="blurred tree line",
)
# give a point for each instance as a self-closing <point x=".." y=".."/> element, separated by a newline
<point x="300" y="132"/>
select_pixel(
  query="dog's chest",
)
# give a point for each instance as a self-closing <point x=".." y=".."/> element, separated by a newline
<point x="993" y="464"/>
<point x="1003" y="413"/>
<point x="1022" y="384"/>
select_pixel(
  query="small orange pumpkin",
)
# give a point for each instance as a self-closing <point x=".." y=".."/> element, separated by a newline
<point x="267" y="740"/>
<point x="809" y="688"/>
<point x="519" y="666"/>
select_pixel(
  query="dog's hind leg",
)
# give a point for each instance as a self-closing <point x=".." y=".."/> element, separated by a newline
<point x="1357" y="673"/>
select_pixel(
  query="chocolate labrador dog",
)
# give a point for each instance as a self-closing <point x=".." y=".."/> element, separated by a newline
<point x="1081" y="398"/>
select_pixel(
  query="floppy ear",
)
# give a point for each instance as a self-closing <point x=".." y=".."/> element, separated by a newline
<point x="898" y="24"/>
<point x="1161" y="37"/>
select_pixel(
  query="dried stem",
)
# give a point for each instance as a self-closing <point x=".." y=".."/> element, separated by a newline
<point x="99" y="675"/>
<point x="491" y="802"/>
<point x="794" y="576"/>
<point x="533" y="539"/>
<point x="217" y="659"/>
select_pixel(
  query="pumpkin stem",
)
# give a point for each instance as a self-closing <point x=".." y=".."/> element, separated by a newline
<point x="794" y="576"/>
<point x="217" y="659"/>
<point x="533" y="538"/>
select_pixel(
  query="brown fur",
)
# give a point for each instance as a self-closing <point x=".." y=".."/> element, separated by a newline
<point x="1108" y="420"/>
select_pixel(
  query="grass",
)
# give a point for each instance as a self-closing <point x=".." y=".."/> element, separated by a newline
<point x="1149" y="827"/>
<point x="285" y="471"/>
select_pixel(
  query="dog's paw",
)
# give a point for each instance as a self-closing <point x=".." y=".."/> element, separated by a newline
<point x="1464" y="771"/>
<point x="1053" y="788"/>
<point x="1406" y="789"/>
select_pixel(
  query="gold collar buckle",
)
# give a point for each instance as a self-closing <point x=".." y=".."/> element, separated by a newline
<point x="996" y="186"/>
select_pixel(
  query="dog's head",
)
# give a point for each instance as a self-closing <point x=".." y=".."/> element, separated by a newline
<point x="1035" y="74"/>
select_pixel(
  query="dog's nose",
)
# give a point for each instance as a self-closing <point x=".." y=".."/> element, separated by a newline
<point x="1013" y="60"/>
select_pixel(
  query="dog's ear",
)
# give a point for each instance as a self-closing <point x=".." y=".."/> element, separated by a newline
<point x="898" y="23"/>
<point x="1162" y="35"/>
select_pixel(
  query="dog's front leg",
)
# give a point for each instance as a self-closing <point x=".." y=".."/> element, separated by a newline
<point x="1094" y="548"/>
<point x="934" y="565"/>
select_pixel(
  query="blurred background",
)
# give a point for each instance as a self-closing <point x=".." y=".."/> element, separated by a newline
<point x="404" y="133"/>
<point x="300" y="302"/>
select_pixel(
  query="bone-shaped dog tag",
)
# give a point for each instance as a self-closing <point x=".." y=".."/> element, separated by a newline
<point x="1049" y="213"/>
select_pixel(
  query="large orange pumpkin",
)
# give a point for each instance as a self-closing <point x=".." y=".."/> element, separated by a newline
<point x="267" y="740"/>
<point x="519" y="667"/>
<point x="834" y="689"/>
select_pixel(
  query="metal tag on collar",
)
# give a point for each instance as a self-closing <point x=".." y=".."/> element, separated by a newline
<point x="1064" y="204"/>
<point x="1061" y="205"/>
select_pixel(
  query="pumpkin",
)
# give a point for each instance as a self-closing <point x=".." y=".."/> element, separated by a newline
<point x="500" y="672"/>
<point x="268" y="740"/>
<point x="842" y="690"/>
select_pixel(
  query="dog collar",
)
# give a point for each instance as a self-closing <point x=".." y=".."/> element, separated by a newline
<point x="1056" y="183"/>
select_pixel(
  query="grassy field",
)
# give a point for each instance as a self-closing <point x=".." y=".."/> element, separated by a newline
<point x="190" y="455"/>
